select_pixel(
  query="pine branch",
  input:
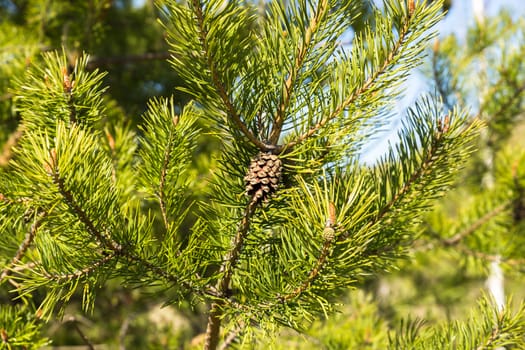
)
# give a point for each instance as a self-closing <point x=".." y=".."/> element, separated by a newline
<point x="314" y="273"/>
<point x="163" y="174"/>
<point x="67" y="85"/>
<point x="230" y="339"/>
<point x="367" y="85"/>
<point x="7" y="150"/>
<point x="515" y="98"/>
<point x="490" y="257"/>
<point x="166" y="150"/>
<point x="426" y="163"/>
<point x="74" y="98"/>
<point x="85" y="339"/>
<point x="226" y="271"/>
<point x="24" y="246"/>
<point x="491" y="340"/>
<point x="458" y="237"/>
<point x="216" y="79"/>
<point x="424" y="168"/>
<point x="77" y="209"/>
<point x="20" y="327"/>
<point x="60" y="278"/>
<point x="106" y="240"/>
<point x="302" y="51"/>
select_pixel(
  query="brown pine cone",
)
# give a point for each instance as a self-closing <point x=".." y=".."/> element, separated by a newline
<point x="263" y="176"/>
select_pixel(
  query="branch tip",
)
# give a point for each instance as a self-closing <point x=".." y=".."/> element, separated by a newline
<point x="435" y="47"/>
<point x="411" y="7"/>
<point x="4" y="335"/>
<point x="51" y="164"/>
<point x="66" y="81"/>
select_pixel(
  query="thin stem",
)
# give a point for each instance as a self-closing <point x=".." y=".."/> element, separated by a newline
<point x="290" y="81"/>
<point x="490" y="257"/>
<point x="458" y="237"/>
<point x="216" y="80"/>
<point x="7" y="149"/>
<point x="82" y="272"/>
<point x="230" y="339"/>
<point x="84" y="337"/>
<point x="498" y="330"/>
<point x="124" y="327"/>
<point x="106" y="241"/>
<point x="82" y="215"/>
<point x="414" y="177"/>
<point x="426" y="163"/>
<point x="214" y="326"/>
<point x="162" y="182"/>
<point x="227" y="268"/>
<point x="24" y="246"/>
<point x="515" y="98"/>
<point x="314" y="273"/>
<point x="67" y="85"/>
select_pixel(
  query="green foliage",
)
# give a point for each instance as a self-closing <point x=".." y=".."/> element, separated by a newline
<point x="17" y="47"/>
<point x="92" y="203"/>
<point x="167" y="146"/>
<point x="357" y="326"/>
<point x="497" y="95"/>
<point x="20" y="327"/>
<point x="483" y="220"/>
<point x="486" y="328"/>
<point x="74" y="97"/>
<point x="478" y="228"/>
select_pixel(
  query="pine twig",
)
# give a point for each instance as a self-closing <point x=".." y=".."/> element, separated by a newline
<point x="329" y="234"/>
<point x="122" y="333"/>
<point x="490" y="257"/>
<point x="396" y="50"/>
<point x="79" y="212"/>
<point x="67" y="85"/>
<point x="420" y="171"/>
<point x="24" y="246"/>
<point x="73" y="320"/>
<point x="7" y="150"/>
<point x="288" y="85"/>
<point x="458" y="237"/>
<point x="163" y="174"/>
<point x="82" y="272"/>
<point x="515" y="98"/>
<point x="226" y="269"/>
<point x="216" y="80"/>
<point x="314" y="273"/>
<point x="105" y="238"/>
<point x="416" y="175"/>
<point x="230" y="339"/>
<point x="494" y="335"/>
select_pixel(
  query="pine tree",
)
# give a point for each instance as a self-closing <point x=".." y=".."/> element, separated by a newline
<point x="286" y="220"/>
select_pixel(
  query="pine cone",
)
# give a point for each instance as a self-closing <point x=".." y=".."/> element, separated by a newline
<point x="263" y="176"/>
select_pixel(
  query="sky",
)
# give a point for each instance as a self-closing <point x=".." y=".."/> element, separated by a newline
<point x="457" y="21"/>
